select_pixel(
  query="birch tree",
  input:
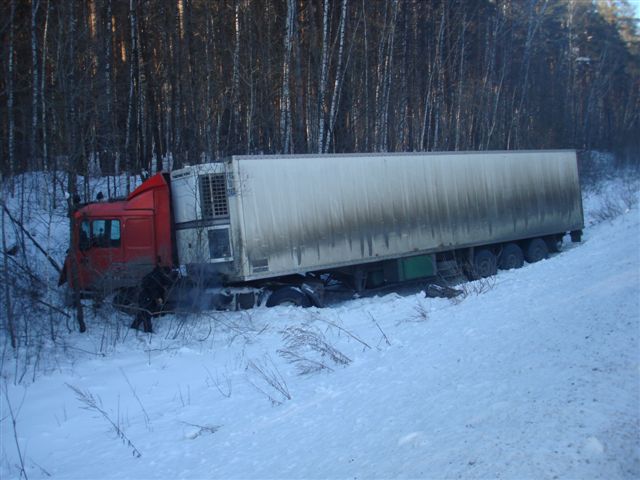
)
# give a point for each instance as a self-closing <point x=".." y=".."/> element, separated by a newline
<point x="285" y="98"/>
<point x="129" y="143"/>
<point x="337" y="86"/>
<point x="324" y="72"/>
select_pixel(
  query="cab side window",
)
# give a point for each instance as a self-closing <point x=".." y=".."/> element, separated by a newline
<point x="99" y="234"/>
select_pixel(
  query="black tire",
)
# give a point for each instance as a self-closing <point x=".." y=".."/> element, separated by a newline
<point x="288" y="296"/>
<point x="511" y="257"/>
<point x="536" y="250"/>
<point x="484" y="264"/>
<point x="554" y="243"/>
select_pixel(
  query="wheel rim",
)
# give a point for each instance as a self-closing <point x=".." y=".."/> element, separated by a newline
<point x="485" y="265"/>
<point x="512" y="257"/>
<point x="484" y="268"/>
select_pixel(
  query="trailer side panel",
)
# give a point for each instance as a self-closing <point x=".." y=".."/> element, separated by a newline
<point x="300" y="213"/>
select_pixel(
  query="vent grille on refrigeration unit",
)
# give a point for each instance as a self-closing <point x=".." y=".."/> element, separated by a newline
<point x="213" y="195"/>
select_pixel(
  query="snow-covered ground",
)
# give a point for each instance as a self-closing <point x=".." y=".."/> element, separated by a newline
<point x="533" y="374"/>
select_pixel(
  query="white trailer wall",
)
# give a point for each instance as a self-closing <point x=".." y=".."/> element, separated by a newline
<point x="299" y="213"/>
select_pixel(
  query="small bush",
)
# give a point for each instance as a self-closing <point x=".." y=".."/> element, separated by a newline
<point x="309" y="350"/>
<point x="268" y="374"/>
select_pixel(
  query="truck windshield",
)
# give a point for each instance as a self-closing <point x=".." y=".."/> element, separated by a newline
<point x="100" y="233"/>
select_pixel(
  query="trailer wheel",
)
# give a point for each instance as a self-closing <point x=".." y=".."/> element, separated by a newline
<point x="484" y="264"/>
<point x="554" y="243"/>
<point x="536" y="250"/>
<point x="288" y="296"/>
<point x="511" y="257"/>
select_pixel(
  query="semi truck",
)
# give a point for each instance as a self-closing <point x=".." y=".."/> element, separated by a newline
<point x="277" y="229"/>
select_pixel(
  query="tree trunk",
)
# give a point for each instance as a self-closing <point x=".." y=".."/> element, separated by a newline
<point x="285" y="97"/>
<point x="458" y="126"/>
<point x="35" y="4"/>
<point x="234" y="109"/>
<point x="129" y="143"/>
<point x="339" y="76"/>
<point x="10" y="325"/>
<point x="43" y="110"/>
<point x="10" y="99"/>
<point x="71" y="98"/>
<point x="324" y="72"/>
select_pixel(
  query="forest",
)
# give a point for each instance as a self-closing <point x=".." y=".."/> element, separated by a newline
<point x="135" y="86"/>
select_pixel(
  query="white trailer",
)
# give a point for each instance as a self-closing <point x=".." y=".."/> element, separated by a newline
<point x="271" y="220"/>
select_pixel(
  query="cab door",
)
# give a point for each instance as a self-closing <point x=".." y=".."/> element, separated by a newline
<point x="99" y="253"/>
<point x="140" y="251"/>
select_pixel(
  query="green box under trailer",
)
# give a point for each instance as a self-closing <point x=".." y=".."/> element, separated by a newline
<point x="400" y="270"/>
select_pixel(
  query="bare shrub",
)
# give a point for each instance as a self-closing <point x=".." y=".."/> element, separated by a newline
<point x="13" y="414"/>
<point x="273" y="386"/>
<point x="340" y="329"/>
<point x="384" y="335"/>
<point x="422" y="314"/>
<point x="608" y="210"/>
<point x="477" y="287"/>
<point x="223" y="385"/>
<point x="623" y="198"/>
<point x="147" y="419"/>
<point x="307" y="349"/>
<point x="94" y="404"/>
<point x="630" y="192"/>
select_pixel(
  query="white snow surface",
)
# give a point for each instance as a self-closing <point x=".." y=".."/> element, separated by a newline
<point x="533" y="374"/>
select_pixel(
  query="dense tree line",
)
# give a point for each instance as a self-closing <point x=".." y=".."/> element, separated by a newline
<point x="123" y="85"/>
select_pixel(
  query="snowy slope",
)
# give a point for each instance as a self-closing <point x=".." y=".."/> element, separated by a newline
<point x="534" y="374"/>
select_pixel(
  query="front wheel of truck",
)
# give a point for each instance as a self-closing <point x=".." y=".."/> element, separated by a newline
<point x="292" y="296"/>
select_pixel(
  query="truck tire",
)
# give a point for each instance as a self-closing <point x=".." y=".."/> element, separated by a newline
<point x="554" y="243"/>
<point x="511" y="257"/>
<point x="536" y="250"/>
<point x="484" y="264"/>
<point x="288" y="296"/>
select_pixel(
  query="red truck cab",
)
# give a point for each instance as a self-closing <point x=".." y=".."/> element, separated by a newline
<point x="115" y="244"/>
